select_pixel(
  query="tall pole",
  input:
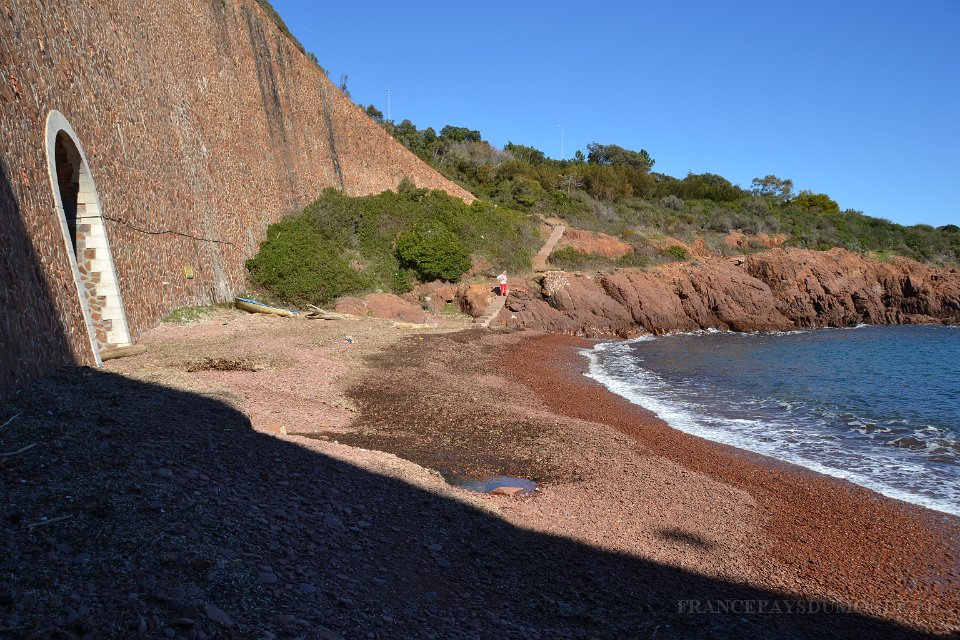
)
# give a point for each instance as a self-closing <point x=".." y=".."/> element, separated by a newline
<point x="389" y="117"/>
<point x="561" y="140"/>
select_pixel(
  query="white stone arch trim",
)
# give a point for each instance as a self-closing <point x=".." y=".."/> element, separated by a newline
<point x="107" y="285"/>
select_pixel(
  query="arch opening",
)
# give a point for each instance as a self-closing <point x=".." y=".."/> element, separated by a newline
<point x="85" y="237"/>
<point x="68" y="181"/>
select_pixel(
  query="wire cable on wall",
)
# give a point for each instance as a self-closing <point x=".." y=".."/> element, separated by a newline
<point x="159" y="232"/>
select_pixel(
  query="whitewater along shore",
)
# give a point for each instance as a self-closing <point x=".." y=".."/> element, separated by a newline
<point x="260" y="477"/>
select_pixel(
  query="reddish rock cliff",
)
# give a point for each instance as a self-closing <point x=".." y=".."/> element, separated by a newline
<point x="775" y="290"/>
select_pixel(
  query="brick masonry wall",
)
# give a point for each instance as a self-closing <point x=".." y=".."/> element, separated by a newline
<point x="202" y="124"/>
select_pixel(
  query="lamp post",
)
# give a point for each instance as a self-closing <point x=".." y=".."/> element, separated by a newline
<point x="561" y="140"/>
<point x="388" y="106"/>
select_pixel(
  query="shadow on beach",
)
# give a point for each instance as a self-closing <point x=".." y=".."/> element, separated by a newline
<point x="33" y="339"/>
<point x="143" y="511"/>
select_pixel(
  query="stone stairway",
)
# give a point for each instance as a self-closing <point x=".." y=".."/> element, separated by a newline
<point x="491" y="312"/>
<point x="540" y="260"/>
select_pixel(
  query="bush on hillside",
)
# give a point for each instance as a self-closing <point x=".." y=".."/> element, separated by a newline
<point x="675" y="252"/>
<point x="672" y="202"/>
<point x="570" y="259"/>
<point x="298" y="265"/>
<point x="341" y="245"/>
<point x="433" y="252"/>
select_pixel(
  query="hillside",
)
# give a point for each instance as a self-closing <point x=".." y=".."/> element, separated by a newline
<point x="615" y="191"/>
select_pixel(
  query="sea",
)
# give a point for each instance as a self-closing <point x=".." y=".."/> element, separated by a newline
<point x="876" y="405"/>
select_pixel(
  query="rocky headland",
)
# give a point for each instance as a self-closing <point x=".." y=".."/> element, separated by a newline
<point x="775" y="290"/>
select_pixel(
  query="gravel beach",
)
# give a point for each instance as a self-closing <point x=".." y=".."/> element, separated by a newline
<point x="258" y="477"/>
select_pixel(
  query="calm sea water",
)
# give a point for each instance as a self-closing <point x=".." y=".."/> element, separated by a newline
<point x="879" y="406"/>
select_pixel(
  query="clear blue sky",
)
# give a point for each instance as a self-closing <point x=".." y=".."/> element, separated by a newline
<point x="856" y="99"/>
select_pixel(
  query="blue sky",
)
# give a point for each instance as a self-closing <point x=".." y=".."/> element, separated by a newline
<point x="860" y="100"/>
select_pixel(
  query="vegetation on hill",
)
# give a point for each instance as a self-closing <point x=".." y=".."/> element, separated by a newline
<point x="615" y="190"/>
<point x="341" y="245"/>
<point x="272" y="13"/>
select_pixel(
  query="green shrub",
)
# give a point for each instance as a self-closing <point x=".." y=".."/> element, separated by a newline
<point x="617" y="191"/>
<point x="298" y="265"/>
<point x="883" y="256"/>
<point x="634" y="259"/>
<point x="569" y="259"/>
<point x="675" y="252"/>
<point x="433" y="252"/>
<point x="672" y="202"/>
<point x="341" y="245"/>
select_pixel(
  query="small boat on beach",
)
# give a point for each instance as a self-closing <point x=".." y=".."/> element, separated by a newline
<point x="254" y="306"/>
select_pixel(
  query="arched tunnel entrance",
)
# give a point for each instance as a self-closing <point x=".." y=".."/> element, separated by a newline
<point x="85" y="236"/>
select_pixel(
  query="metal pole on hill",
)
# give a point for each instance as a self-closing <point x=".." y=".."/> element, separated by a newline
<point x="389" y="117"/>
<point x="561" y="140"/>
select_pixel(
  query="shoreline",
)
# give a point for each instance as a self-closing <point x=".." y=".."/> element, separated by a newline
<point x="303" y="459"/>
<point x="939" y="505"/>
<point x="832" y="532"/>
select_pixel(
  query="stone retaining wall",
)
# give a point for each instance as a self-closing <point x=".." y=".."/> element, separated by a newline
<point x="201" y="124"/>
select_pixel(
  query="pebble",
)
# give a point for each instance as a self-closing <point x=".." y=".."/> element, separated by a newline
<point x="165" y="473"/>
<point x="217" y="615"/>
<point x="267" y="578"/>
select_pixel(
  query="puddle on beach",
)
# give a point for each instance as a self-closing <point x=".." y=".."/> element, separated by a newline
<point x="508" y="485"/>
<point x="486" y="485"/>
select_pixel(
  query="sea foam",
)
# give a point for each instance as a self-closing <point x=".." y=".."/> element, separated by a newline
<point x="789" y="431"/>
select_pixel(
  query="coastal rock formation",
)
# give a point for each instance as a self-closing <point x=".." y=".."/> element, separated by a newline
<point x="432" y="295"/>
<point x="839" y="288"/>
<point x="778" y="289"/>
<point x="382" y="305"/>
<point x="474" y="298"/>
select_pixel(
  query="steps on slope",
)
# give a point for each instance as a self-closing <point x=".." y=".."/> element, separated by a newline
<point x="491" y="312"/>
<point x="540" y="260"/>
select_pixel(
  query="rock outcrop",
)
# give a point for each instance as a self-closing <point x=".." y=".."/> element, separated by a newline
<point x="775" y="290"/>
<point x="382" y="305"/>
<point x="474" y="298"/>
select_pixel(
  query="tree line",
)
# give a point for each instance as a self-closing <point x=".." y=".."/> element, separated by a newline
<point x="614" y="189"/>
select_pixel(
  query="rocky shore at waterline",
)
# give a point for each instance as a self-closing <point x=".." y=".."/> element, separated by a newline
<point x="774" y="290"/>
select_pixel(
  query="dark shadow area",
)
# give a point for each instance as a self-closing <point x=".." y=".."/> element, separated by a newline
<point x="140" y="511"/>
<point x="32" y="338"/>
<point x="685" y="537"/>
<point x="68" y="161"/>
